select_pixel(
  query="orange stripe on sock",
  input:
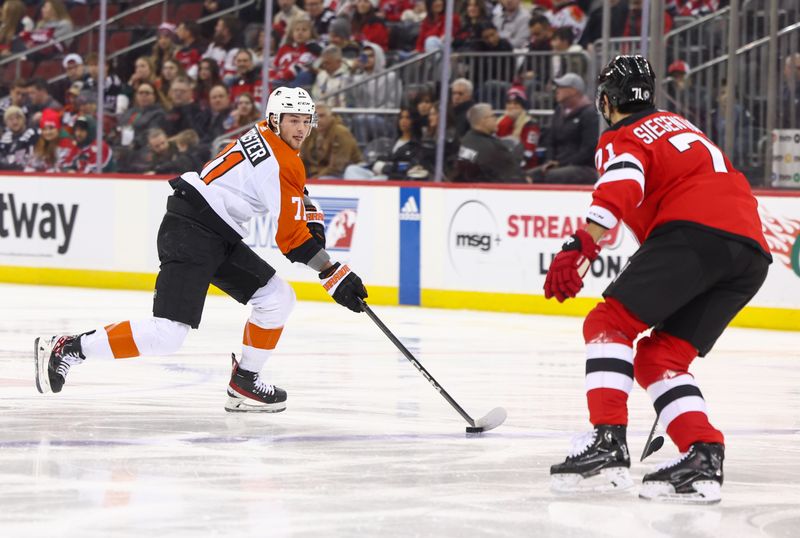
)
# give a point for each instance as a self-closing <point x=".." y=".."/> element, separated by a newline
<point x="258" y="337"/>
<point x="120" y="337"/>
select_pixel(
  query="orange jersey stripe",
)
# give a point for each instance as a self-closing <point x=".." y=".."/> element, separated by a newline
<point x="258" y="337"/>
<point x="120" y="337"/>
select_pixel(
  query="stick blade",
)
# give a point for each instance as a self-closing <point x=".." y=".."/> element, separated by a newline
<point x="492" y="419"/>
<point x="654" y="446"/>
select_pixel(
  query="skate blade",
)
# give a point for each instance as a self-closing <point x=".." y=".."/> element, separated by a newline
<point x="611" y="480"/>
<point x="41" y="357"/>
<point x="706" y="492"/>
<point x="239" y="405"/>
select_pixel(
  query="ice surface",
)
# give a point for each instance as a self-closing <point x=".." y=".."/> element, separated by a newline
<point x="143" y="447"/>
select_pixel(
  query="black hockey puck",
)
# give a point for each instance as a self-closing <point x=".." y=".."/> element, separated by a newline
<point x="474" y="430"/>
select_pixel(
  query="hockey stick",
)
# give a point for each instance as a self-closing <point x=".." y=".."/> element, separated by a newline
<point x="652" y="445"/>
<point x="491" y="420"/>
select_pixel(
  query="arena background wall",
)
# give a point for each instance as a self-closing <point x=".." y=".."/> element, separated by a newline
<point x="434" y="245"/>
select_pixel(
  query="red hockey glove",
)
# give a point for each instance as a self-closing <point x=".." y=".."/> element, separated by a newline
<point x="565" y="276"/>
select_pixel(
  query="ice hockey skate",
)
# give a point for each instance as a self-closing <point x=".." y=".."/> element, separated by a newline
<point x="54" y="356"/>
<point x="247" y="393"/>
<point x="597" y="463"/>
<point x="694" y="478"/>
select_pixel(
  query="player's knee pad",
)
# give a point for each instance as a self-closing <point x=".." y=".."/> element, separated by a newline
<point x="272" y="303"/>
<point x="159" y="336"/>
<point x="610" y="321"/>
<point x="661" y="354"/>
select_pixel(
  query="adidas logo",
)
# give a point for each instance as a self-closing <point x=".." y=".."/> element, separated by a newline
<point x="410" y="211"/>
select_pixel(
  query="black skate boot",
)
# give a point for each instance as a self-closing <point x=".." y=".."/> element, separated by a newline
<point x="248" y="394"/>
<point x="694" y="478"/>
<point x="597" y="462"/>
<point x="54" y="356"/>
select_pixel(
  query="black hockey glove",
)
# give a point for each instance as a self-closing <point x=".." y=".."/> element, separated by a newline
<point x="344" y="286"/>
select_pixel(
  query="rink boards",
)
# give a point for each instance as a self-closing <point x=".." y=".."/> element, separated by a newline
<point x="448" y="246"/>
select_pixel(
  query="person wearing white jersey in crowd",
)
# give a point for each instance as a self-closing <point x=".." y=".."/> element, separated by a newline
<point x="200" y="243"/>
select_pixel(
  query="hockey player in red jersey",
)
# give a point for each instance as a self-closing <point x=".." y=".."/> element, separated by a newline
<point x="200" y="243"/>
<point x="702" y="258"/>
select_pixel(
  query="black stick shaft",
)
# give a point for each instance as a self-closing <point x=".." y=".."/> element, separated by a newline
<point x="417" y="364"/>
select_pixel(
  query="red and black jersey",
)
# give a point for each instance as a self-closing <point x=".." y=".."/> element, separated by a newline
<point x="656" y="168"/>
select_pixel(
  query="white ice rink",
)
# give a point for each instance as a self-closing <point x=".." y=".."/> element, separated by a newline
<point x="143" y="448"/>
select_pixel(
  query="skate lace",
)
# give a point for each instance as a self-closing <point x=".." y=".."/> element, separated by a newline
<point x="581" y="442"/>
<point x="264" y="388"/>
<point x="66" y="358"/>
<point x="672" y="462"/>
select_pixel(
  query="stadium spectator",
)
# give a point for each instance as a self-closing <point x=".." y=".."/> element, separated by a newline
<point x="75" y="70"/>
<point x="321" y="17"/>
<point x="742" y="127"/>
<point x="393" y="10"/>
<point x="790" y="93"/>
<point x="14" y="23"/>
<point x="83" y="158"/>
<point x="161" y="154"/>
<point x="54" y="23"/>
<point x="367" y="26"/>
<point x="17" y="96"/>
<point x="248" y="76"/>
<point x="185" y="113"/>
<point x="406" y="153"/>
<point x="474" y="16"/>
<point x="594" y="24"/>
<point x="330" y="148"/>
<point x="191" y="154"/>
<point x="53" y="147"/>
<point x="430" y="140"/>
<point x="492" y="68"/>
<point x="383" y="91"/>
<point x="244" y="114"/>
<point x="165" y="47"/>
<point x="170" y="70"/>
<point x="461" y="100"/>
<point x="226" y="43"/>
<point x="431" y="31"/>
<point x="569" y="61"/>
<point x="416" y="14"/>
<point x="143" y="71"/>
<point x="287" y="10"/>
<point x="572" y="136"/>
<point x="117" y="99"/>
<point x="207" y="77"/>
<point x="17" y="141"/>
<point x="681" y="95"/>
<point x="212" y="7"/>
<point x="219" y="108"/>
<point x="70" y="109"/>
<point x="421" y="106"/>
<point x="512" y="23"/>
<point x="482" y="157"/>
<point x="190" y="46"/>
<point x="145" y="114"/>
<point x="339" y="36"/>
<point x="39" y="98"/>
<point x="569" y="14"/>
<point x="294" y="60"/>
<point x="519" y="128"/>
<point x="697" y="8"/>
<point x="333" y="76"/>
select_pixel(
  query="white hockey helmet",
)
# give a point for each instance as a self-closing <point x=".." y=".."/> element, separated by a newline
<point x="285" y="100"/>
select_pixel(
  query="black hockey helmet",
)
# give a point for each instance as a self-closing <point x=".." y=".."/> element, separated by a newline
<point x="626" y="80"/>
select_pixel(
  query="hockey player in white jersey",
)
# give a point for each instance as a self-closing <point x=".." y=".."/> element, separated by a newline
<point x="200" y="243"/>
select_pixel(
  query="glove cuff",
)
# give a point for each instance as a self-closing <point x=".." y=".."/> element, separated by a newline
<point x="588" y="247"/>
<point x="333" y="276"/>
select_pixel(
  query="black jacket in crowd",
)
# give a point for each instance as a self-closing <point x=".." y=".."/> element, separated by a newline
<point x="571" y="139"/>
<point x="484" y="158"/>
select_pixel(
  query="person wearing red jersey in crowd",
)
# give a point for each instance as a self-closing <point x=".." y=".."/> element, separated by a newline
<point x="51" y="151"/>
<point x="287" y="10"/>
<point x="190" y="47"/>
<point x="568" y="14"/>
<point x="367" y="26"/>
<point x="393" y="9"/>
<point x="248" y="76"/>
<point x="519" y="127"/>
<point x="431" y="31"/>
<point x="200" y="242"/>
<point x="83" y="157"/>
<point x="633" y="23"/>
<point x="293" y="61"/>
<point x="702" y="257"/>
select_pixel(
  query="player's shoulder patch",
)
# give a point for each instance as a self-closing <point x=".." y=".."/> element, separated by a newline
<point x="255" y="148"/>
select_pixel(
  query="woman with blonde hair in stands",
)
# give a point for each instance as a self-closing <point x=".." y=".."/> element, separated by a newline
<point x="13" y="22"/>
<point x="170" y="69"/>
<point x="293" y="61"/>
<point x="244" y="113"/>
<point x="54" y="15"/>
<point x="144" y="70"/>
<point x="53" y="147"/>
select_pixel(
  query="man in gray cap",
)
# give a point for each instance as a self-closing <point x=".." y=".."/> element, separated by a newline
<point x="571" y="138"/>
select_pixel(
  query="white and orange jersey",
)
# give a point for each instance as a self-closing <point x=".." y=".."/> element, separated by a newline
<point x="258" y="173"/>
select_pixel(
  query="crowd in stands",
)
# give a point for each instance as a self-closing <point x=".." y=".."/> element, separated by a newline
<point x="165" y="107"/>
